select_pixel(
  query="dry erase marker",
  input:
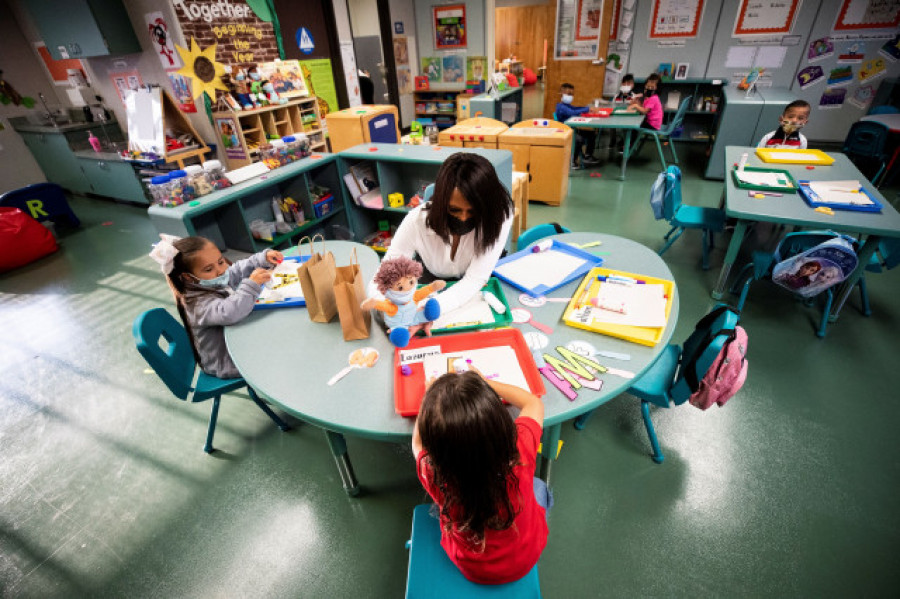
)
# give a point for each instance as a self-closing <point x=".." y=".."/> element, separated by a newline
<point x="764" y="193"/>
<point x="542" y="246"/>
<point x="493" y="302"/>
<point x="621" y="280"/>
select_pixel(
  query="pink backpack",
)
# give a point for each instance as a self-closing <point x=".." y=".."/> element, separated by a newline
<point x="714" y="361"/>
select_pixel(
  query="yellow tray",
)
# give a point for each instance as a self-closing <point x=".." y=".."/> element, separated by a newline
<point x="642" y="335"/>
<point x="785" y="156"/>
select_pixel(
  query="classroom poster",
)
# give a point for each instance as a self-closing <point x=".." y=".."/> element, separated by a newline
<point x="286" y="77"/>
<point x="125" y="82"/>
<point x="58" y="69"/>
<point x="590" y="13"/>
<point x="841" y="75"/>
<point x="871" y="69"/>
<point x="449" y="27"/>
<point x="476" y="67"/>
<point x="862" y="97"/>
<point x="404" y="80"/>
<point x="675" y="19"/>
<point x="454" y="68"/>
<point x="832" y="98"/>
<point x="853" y="54"/>
<point x="181" y="91"/>
<point x="401" y="50"/>
<point x="572" y="21"/>
<point x="770" y="17"/>
<point x="431" y="68"/>
<point x="319" y="79"/>
<point x="868" y="14"/>
<point x="891" y="49"/>
<point x="810" y="76"/>
<point x="161" y="41"/>
<point x="820" y="49"/>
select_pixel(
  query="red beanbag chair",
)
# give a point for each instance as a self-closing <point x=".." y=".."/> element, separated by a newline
<point x="22" y="239"/>
<point x="529" y="76"/>
<point x="513" y="80"/>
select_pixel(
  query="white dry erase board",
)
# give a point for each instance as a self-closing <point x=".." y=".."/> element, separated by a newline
<point x="144" y="110"/>
<point x="539" y="273"/>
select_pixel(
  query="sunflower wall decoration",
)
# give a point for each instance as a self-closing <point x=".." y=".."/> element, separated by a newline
<point x="205" y="73"/>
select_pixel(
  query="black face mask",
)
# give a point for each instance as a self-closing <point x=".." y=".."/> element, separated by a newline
<point x="460" y="227"/>
<point x="649" y="92"/>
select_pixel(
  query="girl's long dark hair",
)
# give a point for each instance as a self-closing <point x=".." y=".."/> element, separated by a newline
<point x="183" y="263"/>
<point x="475" y="178"/>
<point x="470" y="440"/>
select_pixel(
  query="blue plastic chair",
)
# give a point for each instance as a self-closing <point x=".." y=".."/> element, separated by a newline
<point x="885" y="109"/>
<point x="762" y="263"/>
<point x="43" y="201"/>
<point x="429" y="191"/>
<point x="665" y="134"/>
<point x="885" y="258"/>
<point x="681" y="216"/>
<point x="537" y="232"/>
<point x="664" y="384"/>
<point x="864" y="146"/>
<point x="432" y="575"/>
<point x="175" y="364"/>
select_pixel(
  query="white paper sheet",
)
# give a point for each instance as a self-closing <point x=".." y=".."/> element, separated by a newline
<point x="764" y="179"/>
<point x="542" y="268"/>
<point x="498" y="363"/>
<point x="740" y="57"/>
<point x="285" y="284"/>
<point x="476" y="310"/>
<point x="645" y="305"/>
<point x="770" y="57"/>
<point x="839" y="192"/>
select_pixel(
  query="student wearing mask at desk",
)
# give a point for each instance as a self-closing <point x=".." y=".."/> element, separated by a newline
<point x="460" y="233"/>
<point x="648" y="104"/>
<point x="788" y="135"/>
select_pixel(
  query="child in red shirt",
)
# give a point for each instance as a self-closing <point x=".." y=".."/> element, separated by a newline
<point x="478" y="466"/>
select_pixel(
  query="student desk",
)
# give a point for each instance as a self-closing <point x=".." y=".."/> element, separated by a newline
<point x="625" y="122"/>
<point x="362" y="403"/>
<point x="791" y="209"/>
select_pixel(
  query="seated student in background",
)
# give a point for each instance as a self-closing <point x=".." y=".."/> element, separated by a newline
<point x="648" y="104"/>
<point x="477" y="463"/>
<point x="626" y="90"/>
<point x="460" y="234"/>
<point x="795" y="115"/>
<point x="584" y="138"/>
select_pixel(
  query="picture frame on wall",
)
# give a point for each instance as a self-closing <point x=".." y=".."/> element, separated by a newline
<point x="665" y="70"/>
<point x="681" y="70"/>
<point x="449" y="26"/>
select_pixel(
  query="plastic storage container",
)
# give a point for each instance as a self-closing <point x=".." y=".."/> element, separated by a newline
<point x="180" y="191"/>
<point x="159" y="190"/>
<point x="198" y="180"/>
<point x="215" y="172"/>
<point x="280" y="152"/>
<point x="292" y="148"/>
<point x="303" y="144"/>
<point x="269" y="156"/>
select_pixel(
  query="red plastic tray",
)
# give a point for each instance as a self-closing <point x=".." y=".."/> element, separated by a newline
<point x="409" y="390"/>
<point x="599" y="112"/>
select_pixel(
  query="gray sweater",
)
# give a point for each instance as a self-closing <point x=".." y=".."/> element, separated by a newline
<point x="210" y="310"/>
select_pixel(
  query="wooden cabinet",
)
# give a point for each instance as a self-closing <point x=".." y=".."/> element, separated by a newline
<point x="374" y="123"/>
<point x="473" y="133"/>
<point x="544" y="152"/>
<point x="241" y="133"/>
<point x="83" y="28"/>
<point x="224" y="216"/>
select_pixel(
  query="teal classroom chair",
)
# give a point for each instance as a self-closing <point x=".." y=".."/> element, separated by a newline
<point x="665" y="384"/>
<point x="175" y="363"/>
<point x="885" y="109"/>
<point x="537" y="232"/>
<point x="864" y="146"/>
<point x="43" y="201"/>
<point x="664" y="134"/>
<point x="431" y="574"/>
<point x="681" y="216"/>
<point x="886" y="257"/>
<point x="762" y="264"/>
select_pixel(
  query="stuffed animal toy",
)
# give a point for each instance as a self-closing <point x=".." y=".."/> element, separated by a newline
<point x="242" y="91"/>
<point x="397" y="279"/>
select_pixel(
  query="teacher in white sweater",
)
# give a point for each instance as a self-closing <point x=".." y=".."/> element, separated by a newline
<point x="460" y="234"/>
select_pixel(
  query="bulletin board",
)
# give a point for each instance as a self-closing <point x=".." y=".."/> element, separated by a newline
<point x="578" y="29"/>
<point x="868" y="14"/>
<point x="769" y="17"/>
<point x="675" y="19"/>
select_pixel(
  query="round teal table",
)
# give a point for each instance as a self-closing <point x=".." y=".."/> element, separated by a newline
<point x="289" y="359"/>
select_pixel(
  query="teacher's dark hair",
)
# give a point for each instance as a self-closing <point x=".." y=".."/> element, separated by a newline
<point x="477" y="181"/>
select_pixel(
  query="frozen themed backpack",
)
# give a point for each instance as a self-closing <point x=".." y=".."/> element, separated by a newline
<point x="810" y="262"/>
<point x="713" y="363"/>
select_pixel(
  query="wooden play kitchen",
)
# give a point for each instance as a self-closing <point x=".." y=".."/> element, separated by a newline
<point x="479" y="132"/>
<point x="350" y="127"/>
<point x="543" y="149"/>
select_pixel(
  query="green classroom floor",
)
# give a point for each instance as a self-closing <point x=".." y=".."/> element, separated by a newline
<point x="790" y="490"/>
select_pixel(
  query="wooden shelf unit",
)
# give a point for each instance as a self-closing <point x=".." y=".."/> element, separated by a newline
<point x="427" y="112"/>
<point x="253" y="128"/>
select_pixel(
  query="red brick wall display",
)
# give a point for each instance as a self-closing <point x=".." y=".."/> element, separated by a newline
<point x="243" y="39"/>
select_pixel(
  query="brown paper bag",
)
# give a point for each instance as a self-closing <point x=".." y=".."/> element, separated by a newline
<point x="317" y="281"/>
<point x="349" y="292"/>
